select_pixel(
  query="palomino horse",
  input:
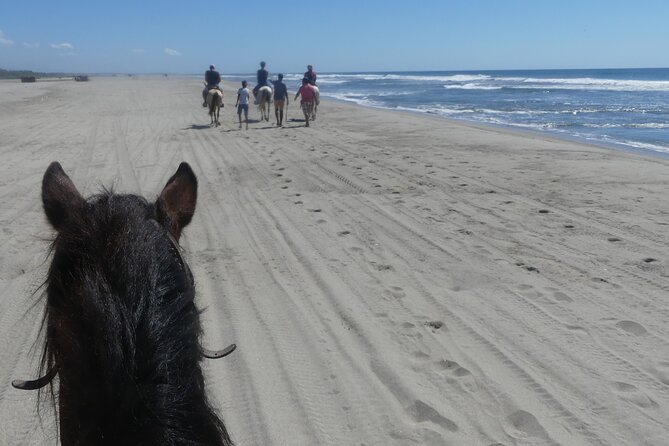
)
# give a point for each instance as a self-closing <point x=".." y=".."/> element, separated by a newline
<point x="215" y="102"/>
<point x="122" y="328"/>
<point x="264" y="99"/>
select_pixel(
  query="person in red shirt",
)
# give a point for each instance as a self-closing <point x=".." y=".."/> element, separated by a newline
<point x="308" y="99"/>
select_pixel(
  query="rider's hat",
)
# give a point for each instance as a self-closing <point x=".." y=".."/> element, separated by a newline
<point x="212" y="67"/>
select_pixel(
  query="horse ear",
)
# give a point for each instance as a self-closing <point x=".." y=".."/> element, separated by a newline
<point x="60" y="197"/>
<point x="176" y="204"/>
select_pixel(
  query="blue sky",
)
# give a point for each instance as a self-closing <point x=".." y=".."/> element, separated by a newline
<point x="339" y="35"/>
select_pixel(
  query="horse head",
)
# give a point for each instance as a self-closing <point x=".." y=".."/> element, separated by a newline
<point x="122" y="328"/>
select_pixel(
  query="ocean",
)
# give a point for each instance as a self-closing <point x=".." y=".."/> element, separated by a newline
<point x="625" y="108"/>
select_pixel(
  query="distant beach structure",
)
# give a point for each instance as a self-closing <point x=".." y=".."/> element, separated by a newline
<point x="26" y="79"/>
<point x="82" y="78"/>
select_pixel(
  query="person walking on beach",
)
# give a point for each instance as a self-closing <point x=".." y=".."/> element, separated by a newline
<point x="212" y="78"/>
<point x="308" y="98"/>
<point x="280" y="99"/>
<point x="261" y="76"/>
<point x="310" y="75"/>
<point x="242" y="104"/>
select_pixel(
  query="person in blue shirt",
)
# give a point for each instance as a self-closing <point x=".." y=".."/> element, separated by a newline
<point x="212" y="79"/>
<point x="280" y="99"/>
<point x="262" y="75"/>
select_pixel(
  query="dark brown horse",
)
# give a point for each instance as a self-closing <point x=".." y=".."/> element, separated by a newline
<point x="122" y="329"/>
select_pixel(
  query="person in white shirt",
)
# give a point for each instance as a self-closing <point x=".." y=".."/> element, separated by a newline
<point x="242" y="104"/>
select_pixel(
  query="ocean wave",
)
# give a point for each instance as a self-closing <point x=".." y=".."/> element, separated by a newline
<point x="407" y="77"/>
<point x="562" y="84"/>
<point x="587" y="83"/>
<point x="472" y="86"/>
<point x="643" y="125"/>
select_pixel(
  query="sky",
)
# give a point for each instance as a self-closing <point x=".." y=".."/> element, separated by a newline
<point x="145" y="36"/>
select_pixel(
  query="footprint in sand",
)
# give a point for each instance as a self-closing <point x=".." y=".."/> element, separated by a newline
<point x="613" y="239"/>
<point x="315" y="210"/>
<point x="632" y="394"/>
<point x="453" y="368"/>
<point x="435" y="325"/>
<point x="397" y="292"/>
<point x="562" y="297"/>
<point x="455" y="374"/>
<point x="422" y="412"/>
<point x="382" y="267"/>
<point x="522" y="424"/>
<point x="632" y="327"/>
<point x="343" y="233"/>
<point x="298" y="202"/>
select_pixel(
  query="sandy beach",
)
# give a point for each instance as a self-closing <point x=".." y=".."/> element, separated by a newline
<point x="389" y="278"/>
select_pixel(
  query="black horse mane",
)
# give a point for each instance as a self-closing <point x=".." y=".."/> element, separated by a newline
<point x="122" y="327"/>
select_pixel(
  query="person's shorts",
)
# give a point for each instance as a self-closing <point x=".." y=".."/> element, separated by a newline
<point x="279" y="103"/>
<point x="307" y="107"/>
<point x="244" y="107"/>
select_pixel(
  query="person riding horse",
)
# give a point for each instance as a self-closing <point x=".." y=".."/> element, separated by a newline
<point x="262" y="77"/>
<point x="310" y="75"/>
<point x="212" y="78"/>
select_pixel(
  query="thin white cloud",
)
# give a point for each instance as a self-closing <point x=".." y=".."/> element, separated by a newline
<point x="172" y="52"/>
<point x="138" y="51"/>
<point x="31" y="45"/>
<point x="5" y="41"/>
<point x="62" y="46"/>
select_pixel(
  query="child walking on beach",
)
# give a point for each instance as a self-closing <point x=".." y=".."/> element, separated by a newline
<point x="242" y="104"/>
<point x="308" y="97"/>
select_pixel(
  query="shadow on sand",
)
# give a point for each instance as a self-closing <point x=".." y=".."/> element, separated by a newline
<point x="198" y="127"/>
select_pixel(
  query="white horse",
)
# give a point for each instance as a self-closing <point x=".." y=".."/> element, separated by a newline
<point x="215" y="102"/>
<point x="317" y="96"/>
<point x="264" y="99"/>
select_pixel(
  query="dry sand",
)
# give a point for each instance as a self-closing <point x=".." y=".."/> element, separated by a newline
<point x="389" y="279"/>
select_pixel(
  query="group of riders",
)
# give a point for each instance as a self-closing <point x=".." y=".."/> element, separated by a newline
<point x="308" y="92"/>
